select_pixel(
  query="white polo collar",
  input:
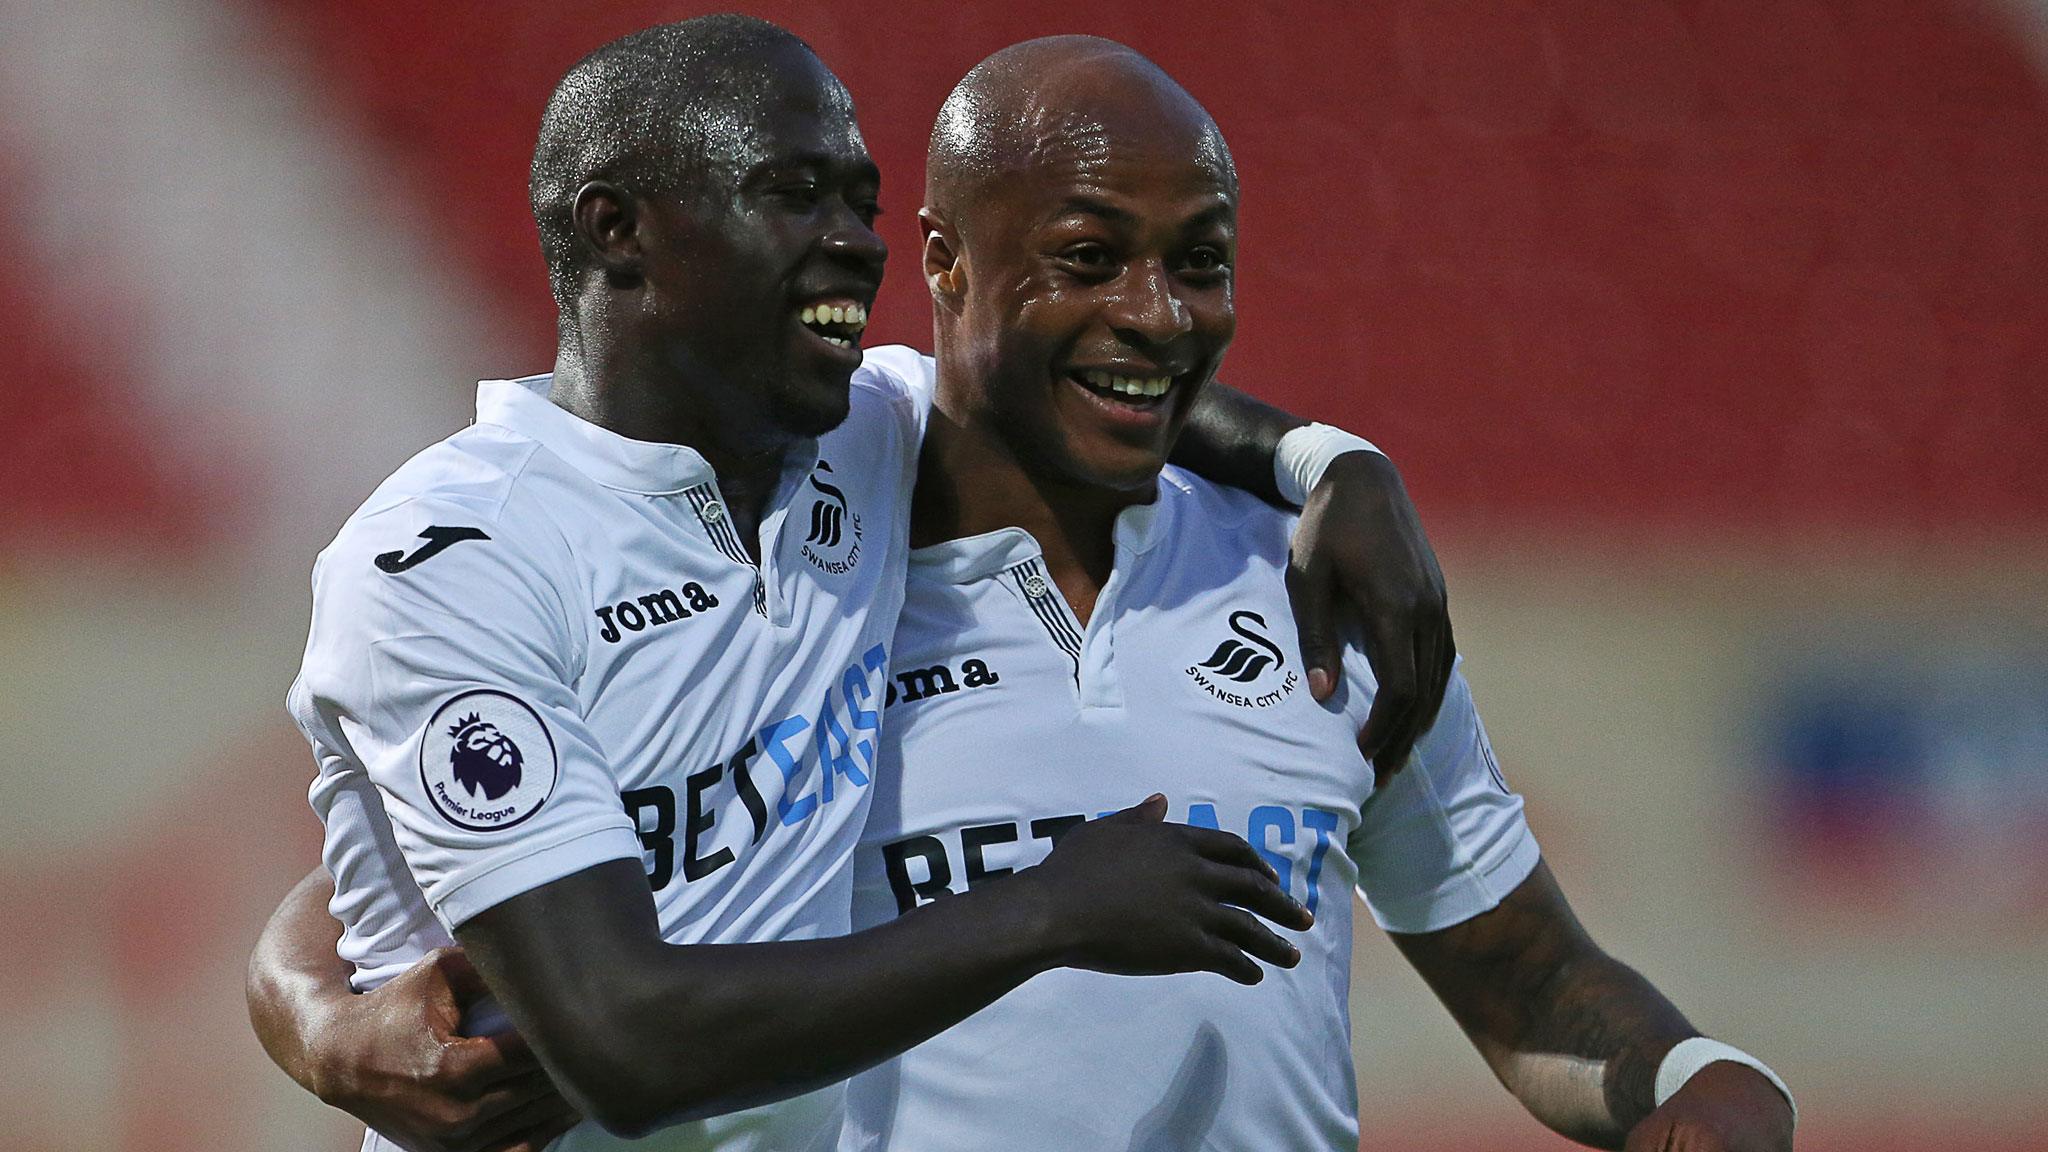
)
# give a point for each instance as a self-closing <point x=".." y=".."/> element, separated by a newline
<point x="610" y="459"/>
<point x="969" y="558"/>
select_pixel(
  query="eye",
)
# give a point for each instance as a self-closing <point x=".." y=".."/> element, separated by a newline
<point x="1088" y="257"/>
<point x="1207" y="258"/>
<point x="800" y="193"/>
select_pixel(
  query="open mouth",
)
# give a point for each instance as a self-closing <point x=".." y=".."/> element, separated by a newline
<point x="837" y="321"/>
<point x="1132" y="390"/>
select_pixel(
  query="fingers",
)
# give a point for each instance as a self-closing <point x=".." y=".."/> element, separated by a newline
<point x="527" y="1128"/>
<point x="1389" y="732"/>
<point x="1257" y="894"/>
<point x="1245" y="932"/>
<point x="457" y="973"/>
<point x="473" y="1065"/>
<point x="1309" y="590"/>
<point x="1436" y="653"/>
<point x="1150" y="810"/>
<point x="1229" y="961"/>
<point x="1227" y="848"/>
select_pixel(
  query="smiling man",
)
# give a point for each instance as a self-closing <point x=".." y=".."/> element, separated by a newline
<point x="646" y="646"/>
<point x="1081" y="223"/>
<point x="1079" y="624"/>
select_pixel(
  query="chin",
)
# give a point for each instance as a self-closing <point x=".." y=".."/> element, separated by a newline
<point x="815" y="412"/>
<point x="1116" y="472"/>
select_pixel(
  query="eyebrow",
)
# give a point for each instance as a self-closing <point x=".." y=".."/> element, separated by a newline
<point x="862" y="169"/>
<point x="1222" y="210"/>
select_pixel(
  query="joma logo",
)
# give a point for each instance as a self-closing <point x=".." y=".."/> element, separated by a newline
<point x="937" y="680"/>
<point x="662" y="606"/>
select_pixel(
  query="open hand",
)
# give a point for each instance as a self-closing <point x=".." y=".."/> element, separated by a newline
<point x="1360" y="549"/>
<point x="1136" y="896"/>
<point x="394" y="1059"/>
<point x="1725" y="1107"/>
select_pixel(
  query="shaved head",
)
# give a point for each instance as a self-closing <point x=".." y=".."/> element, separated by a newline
<point x="1080" y="229"/>
<point x="657" y="112"/>
<point x="1059" y="102"/>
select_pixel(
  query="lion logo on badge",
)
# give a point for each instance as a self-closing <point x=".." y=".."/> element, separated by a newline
<point x="484" y="757"/>
<point x="487" y="760"/>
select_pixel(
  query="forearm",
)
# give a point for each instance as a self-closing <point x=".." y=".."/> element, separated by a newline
<point x="1585" y="1062"/>
<point x="1230" y="438"/>
<point x="1575" y="1034"/>
<point x="296" y="978"/>
<point x="666" y="1033"/>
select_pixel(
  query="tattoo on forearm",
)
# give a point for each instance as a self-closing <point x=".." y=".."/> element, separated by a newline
<point x="1553" y="1014"/>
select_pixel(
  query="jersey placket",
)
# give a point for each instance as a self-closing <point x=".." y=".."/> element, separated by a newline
<point x="1090" y="649"/>
<point x="716" y="521"/>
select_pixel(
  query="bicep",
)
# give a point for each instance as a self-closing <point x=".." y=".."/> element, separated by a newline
<point x="573" y="962"/>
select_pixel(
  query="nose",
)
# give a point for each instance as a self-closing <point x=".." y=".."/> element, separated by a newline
<point x="1146" y="309"/>
<point x="850" y="239"/>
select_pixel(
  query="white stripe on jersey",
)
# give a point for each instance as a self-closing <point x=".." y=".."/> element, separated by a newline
<point x="1009" y="723"/>
<point x="540" y="646"/>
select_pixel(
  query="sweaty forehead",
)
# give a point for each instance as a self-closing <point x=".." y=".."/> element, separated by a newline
<point x="1071" y="111"/>
<point x="1083" y="143"/>
<point x="790" y="106"/>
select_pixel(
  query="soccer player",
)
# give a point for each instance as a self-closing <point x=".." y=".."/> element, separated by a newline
<point x="1079" y="623"/>
<point x="631" y="629"/>
<point x="1103" y="625"/>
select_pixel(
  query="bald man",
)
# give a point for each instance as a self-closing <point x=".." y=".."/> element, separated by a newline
<point x="1067" y="593"/>
<point x="629" y="633"/>
<point x="1081" y="222"/>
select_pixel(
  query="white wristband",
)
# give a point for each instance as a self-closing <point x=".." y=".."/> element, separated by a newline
<point x="1304" y="454"/>
<point x="1689" y="1056"/>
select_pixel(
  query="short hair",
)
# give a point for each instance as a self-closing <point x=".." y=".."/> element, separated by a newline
<point x="635" y="112"/>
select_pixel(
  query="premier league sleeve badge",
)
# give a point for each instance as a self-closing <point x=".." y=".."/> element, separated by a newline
<point x="487" y="761"/>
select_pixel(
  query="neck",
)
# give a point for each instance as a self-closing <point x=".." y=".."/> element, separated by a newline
<point x="624" y="387"/>
<point x="971" y="481"/>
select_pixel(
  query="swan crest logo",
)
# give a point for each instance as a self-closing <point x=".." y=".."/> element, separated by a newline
<point x="1247" y="669"/>
<point x="833" y="542"/>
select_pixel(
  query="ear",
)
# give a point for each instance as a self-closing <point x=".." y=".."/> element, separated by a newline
<point x="607" y="220"/>
<point x="945" y="264"/>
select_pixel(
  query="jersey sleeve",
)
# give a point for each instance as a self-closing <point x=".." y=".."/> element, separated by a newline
<point x="446" y="686"/>
<point x="1445" y="839"/>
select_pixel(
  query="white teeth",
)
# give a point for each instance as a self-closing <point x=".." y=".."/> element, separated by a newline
<point x="806" y="315"/>
<point x="1146" y="386"/>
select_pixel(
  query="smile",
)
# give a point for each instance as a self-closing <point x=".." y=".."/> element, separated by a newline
<point x="837" y="321"/>
<point x="1128" y="389"/>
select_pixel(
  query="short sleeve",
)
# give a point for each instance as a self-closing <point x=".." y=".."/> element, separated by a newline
<point x="1445" y="839"/>
<point x="446" y="685"/>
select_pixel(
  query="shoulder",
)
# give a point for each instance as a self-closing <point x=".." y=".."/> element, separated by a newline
<point x="898" y="375"/>
<point x="456" y="530"/>
<point x="1220" y="514"/>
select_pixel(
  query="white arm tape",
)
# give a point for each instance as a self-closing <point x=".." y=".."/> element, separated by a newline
<point x="1692" y="1055"/>
<point x="1304" y="454"/>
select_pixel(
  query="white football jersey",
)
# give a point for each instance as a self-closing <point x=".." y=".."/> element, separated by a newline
<point x="1008" y="723"/>
<point x="540" y="646"/>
